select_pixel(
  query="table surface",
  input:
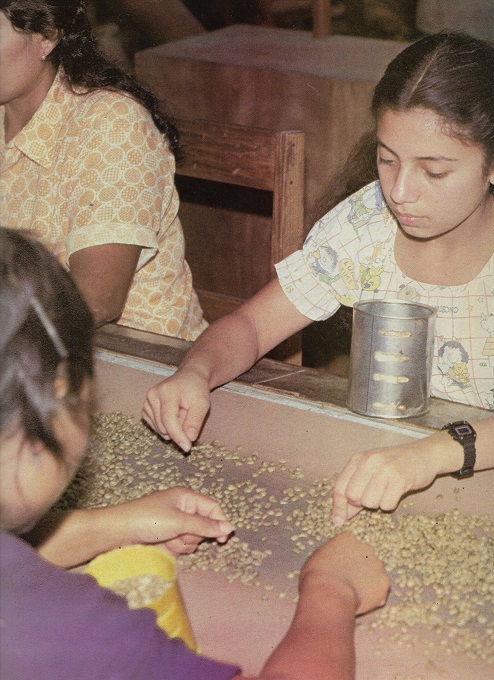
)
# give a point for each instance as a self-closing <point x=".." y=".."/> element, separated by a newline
<point x="337" y="56"/>
<point x="277" y="410"/>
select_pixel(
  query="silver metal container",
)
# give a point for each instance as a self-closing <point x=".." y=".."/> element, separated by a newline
<point x="391" y="358"/>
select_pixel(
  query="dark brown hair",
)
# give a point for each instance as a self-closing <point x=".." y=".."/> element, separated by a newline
<point x="451" y="74"/>
<point x="45" y="325"/>
<point x="78" y="54"/>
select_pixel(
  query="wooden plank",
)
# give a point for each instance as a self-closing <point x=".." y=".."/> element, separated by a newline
<point x="255" y="159"/>
<point x="288" y="199"/>
<point x="231" y="154"/>
<point x="321" y="18"/>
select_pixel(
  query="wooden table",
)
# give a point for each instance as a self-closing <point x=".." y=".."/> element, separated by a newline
<point x="275" y="411"/>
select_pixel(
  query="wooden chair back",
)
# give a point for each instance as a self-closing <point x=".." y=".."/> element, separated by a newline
<point x="321" y="18"/>
<point x="267" y="160"/>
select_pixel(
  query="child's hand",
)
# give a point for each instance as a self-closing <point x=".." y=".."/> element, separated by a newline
<point x="349" y="567"/>
<point x="177" y="519"/>
<point x="176" y="407"/>
<point x="379" y="478"/>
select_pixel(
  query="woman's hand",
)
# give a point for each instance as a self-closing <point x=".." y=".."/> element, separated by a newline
<point x="177" y="519"/>
<point x="351" y="569"/>
<point x="176" y="407"/>
<point x="379" y="478"/>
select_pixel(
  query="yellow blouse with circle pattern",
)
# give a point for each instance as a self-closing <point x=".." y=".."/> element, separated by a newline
<point x="92" y="169"/>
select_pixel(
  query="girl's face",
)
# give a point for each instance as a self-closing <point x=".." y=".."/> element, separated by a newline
<point x="32" y="478"/>
<point x="24" y="76"/>
<point x="434" y="183"/>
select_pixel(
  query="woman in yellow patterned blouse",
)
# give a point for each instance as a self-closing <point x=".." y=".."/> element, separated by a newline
<point x="87" y="166"/>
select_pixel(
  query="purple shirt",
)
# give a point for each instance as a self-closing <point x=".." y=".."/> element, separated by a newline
<point x="57" y="625"/>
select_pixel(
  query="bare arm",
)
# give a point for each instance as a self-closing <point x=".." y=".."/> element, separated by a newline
<point x="341" y="579"/>
<point x="231" y="345"/>
<point x="103" y="275"/>
<point x="379" y="478"/>
<point x="177" y="519"/>
<point x="176" y="407"/>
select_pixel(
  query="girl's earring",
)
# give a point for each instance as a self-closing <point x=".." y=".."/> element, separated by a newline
<point x="43" y="57"/>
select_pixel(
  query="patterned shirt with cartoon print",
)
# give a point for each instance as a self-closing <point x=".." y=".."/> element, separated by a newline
<point x="349" y="256"/>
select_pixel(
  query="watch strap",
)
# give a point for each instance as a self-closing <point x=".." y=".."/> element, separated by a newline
<point x="464" y="434"/>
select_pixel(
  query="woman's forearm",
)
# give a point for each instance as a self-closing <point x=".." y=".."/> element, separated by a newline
<point x="221" y="352"/>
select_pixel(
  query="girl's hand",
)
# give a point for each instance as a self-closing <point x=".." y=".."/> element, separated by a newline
<point x="379" y="478"/>
<point x="177" y="519"/>
<point x="176" y="407"/>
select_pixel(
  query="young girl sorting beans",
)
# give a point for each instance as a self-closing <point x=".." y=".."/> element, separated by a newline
<point x="61" y="625"/>
<point x="422" y="230"/>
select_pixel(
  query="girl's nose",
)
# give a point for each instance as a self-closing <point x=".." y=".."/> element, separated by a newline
<point x="404" y="189"/>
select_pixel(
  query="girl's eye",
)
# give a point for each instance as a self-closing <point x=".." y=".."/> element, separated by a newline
<point x="436" y="175"/>
<point x="385" y="161"/>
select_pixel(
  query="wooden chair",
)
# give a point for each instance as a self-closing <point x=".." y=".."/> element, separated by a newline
<point x="257" y="160"/>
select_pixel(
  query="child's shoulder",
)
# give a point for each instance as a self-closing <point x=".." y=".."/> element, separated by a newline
<point x="368" y="199"/>
<point x="364" y="207"/>
<point x="371" y="195"/>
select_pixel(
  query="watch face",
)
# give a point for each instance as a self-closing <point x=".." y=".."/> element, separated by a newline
<point x="463" y="430"/>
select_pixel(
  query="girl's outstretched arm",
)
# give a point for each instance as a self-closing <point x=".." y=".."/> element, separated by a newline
<point x="177" y="519"/>
<point x="176" y="407"/>
<point x="379" y="478"/>
<point x="340" y="580"/>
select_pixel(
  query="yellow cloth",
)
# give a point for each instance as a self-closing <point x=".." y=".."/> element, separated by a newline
<point x="92" y="169"/>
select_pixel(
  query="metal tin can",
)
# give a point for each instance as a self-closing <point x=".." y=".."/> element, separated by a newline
<point x="391" y="358"/>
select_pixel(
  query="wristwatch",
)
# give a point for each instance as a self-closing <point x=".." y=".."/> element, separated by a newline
<point x="463" y="432"/>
